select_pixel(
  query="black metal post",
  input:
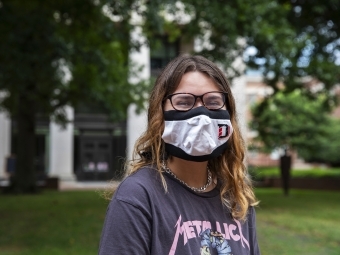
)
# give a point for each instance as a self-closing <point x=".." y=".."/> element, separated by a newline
<point x="285" y="166"/>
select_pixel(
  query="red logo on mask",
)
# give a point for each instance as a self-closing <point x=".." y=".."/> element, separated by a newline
<point x="223" y="130"/>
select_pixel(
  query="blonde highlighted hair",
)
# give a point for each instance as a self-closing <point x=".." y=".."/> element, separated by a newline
<point x="236" y="189"/>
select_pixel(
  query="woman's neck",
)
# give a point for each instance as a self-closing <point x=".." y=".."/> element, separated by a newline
<point x="195" y="174"/>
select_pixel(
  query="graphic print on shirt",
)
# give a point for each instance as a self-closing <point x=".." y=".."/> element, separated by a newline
<point x="212" y="241"/>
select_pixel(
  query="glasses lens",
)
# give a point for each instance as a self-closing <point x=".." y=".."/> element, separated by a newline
<point x="183" y="102"/>
<point x="214" y="100"/>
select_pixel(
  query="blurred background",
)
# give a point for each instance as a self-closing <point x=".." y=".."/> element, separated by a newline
<point x="74" y="83"/>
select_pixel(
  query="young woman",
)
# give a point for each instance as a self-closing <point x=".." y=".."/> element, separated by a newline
<point x="188" y="191"/>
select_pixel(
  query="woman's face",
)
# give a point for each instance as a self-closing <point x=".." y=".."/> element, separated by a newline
<point x="195" y="83"/>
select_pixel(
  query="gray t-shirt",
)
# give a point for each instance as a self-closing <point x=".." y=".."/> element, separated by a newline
<point x="143" y="219"/>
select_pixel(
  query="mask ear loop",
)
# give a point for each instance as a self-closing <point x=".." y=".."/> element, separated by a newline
<point x="164" y="156"/>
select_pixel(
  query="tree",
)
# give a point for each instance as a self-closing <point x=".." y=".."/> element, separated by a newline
<point x="224" y="28"/>
<point x="327" y="149"/>
<point x="291" y="121"/>
<point x="43" y="40"/>
<point x="91" y="38"/>
<point x="286" y="39"/>
<point x="309" y="48"/>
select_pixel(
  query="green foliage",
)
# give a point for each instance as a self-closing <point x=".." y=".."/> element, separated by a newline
<point x="291" y="38"/>
<point x="306" y="44"/>
<point x="43" y="40"/>
<point x="224" y="29"/>
<point x="297" y="122"/>
<point x="327" y="149"/>
<point x="58" y="53"/>
<point x="260" y="173"/>
<point x="291" y="120"/>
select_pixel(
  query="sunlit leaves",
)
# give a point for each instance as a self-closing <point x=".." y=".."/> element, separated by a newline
<point x="66" y="53"/>
<point x="295" y="121"/>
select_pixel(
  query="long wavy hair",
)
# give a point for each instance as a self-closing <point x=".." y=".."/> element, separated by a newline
<point x="236" y="189"/>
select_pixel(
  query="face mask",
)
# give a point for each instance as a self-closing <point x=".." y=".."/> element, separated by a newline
<point x="198" y="134"/>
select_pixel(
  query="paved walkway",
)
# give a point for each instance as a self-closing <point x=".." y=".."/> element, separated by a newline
<point x="76" y="185"/>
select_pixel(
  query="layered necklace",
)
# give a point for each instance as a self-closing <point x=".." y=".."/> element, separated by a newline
<point x="199" y="190"/>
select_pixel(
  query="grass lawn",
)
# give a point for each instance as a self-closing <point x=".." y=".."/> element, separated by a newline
<point x="53" y="223"/>
<point x="305" y="222"/>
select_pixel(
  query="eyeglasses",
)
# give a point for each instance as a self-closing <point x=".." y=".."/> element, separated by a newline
<point x="183" y="102"/>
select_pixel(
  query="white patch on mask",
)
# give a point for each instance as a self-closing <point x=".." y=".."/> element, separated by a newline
<point x="197" y="136"/>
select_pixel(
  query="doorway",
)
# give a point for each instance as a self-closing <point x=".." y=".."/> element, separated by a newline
<point x="95" y="158"/>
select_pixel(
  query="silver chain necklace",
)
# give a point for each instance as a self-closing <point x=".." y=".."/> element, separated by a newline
<point x="199" y="190"/>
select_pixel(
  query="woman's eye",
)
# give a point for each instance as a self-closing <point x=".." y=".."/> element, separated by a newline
<point x="213" y="103"/>
<point x="184" y="103"/>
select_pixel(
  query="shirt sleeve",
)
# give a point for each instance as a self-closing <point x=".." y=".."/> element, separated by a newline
<point x="127" y="229"/>
<point x="254" y="248"/>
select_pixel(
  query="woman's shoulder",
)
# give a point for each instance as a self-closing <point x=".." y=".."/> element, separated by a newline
<point x="251" y="216"/>
<point x="144" y="182"/>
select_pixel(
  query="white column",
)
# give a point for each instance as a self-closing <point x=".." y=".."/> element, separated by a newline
<point x="239" y="86"/>
<point x="5" y="141"/>
<point x="137" y="123"/>
<point x="239" y="91"/>
<point x="61" y="148"/>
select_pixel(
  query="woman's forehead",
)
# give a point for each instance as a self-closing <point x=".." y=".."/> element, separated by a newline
<point x="197" y="83"/>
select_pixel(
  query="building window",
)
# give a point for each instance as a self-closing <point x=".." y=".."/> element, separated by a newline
<point x="162" y="52"/>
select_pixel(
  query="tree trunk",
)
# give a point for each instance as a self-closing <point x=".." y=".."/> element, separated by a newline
<point x="24" y="179"/>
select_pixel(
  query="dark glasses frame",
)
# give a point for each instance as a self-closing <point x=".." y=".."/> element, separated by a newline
<point x="225" y="94"/>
